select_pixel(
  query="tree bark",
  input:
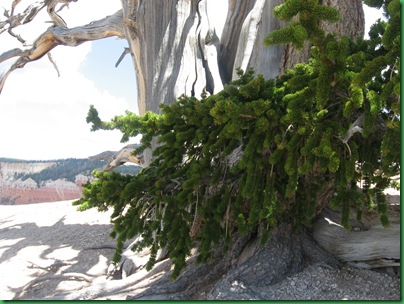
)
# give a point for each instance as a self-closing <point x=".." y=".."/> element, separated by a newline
<point x="368" y="245"/>
<point x="177" y="51"/>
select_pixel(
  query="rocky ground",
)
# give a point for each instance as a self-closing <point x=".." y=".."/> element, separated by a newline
<point x="49" y="250"/>
<point x="318" y="282"/>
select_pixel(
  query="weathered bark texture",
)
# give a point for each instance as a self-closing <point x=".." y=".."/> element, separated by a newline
<point x="118" y="158"/>
<point x="247" y="23"/>
<point x="368" y="245"/>
<point x="177" y="51"/>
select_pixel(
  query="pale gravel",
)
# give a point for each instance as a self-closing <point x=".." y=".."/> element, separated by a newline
<point x="38" y="235"/>
<point x="43" y="233"/>
<point x="317" y="282"/>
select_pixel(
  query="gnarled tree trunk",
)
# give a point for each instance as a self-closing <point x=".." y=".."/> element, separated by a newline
<point x="176" y="49"/>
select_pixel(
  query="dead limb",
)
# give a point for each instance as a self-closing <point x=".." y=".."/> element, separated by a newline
<point x="13" y="53"/>
<point x="53" y="63"/>
<point x="354" y="128"/>
<point x="61" y="35"/>
<point x="138" y="281"/>
<point x="368" y="245"/>
<point x="15" y="20"/>
<point x="115" y="159"/>
<point x="125" y="52"/>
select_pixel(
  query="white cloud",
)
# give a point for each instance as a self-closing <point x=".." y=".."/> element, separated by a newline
<point x="43" y="116"/>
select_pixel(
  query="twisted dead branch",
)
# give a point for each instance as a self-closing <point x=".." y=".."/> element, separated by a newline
<point x="55" y="35"/>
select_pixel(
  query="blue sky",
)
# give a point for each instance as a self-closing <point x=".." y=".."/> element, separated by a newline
<point x="42" y="116"/>
<point x="99" y="66"/>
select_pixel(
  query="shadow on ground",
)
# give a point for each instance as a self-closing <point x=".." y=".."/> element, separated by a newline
<point x="29" y="252"/>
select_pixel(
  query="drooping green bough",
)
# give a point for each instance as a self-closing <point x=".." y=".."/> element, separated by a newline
<point x="262" y="152"/>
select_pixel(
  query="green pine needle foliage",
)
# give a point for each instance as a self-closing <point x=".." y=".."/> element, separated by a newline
<point x="262" y="152"/>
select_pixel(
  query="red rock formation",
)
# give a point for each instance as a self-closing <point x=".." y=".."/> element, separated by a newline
<point x="18" y="192"/>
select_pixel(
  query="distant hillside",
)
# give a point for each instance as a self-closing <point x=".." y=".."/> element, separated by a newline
<point x="27" y="182"/>
<point x="66" y="169"/>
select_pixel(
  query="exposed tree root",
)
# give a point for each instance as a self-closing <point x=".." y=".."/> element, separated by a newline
<point x="286" y="253"/>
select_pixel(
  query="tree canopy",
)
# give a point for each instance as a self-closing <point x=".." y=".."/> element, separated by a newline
<point x="264" y="151"/>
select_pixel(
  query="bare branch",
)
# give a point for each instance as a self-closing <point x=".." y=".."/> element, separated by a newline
<point x="354" y="128"/>
<point x="53" y="63"/>
<point x="60" y="35"/>
<point x="13" y="53"/>
<point x="29" y="14"/>
<point x="115" y="159"/>
<point x="125" y="52"/>
<point x="14" y="21"/>
<point x="57" y="20"/>
<point x="51" y="8"/>
<point x="18" y="64"/>
<point x="19" y="38"/>
<point x="15" y="3"/>
<point x="65" y="5"/>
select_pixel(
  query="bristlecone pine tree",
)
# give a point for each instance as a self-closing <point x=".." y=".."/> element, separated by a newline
<point x="255" y="158"/>
<point x="264" y="152"/>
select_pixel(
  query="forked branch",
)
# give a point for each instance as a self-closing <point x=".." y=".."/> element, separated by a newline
<point x="61" y="35"/>
<point x="14" y="20"/>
